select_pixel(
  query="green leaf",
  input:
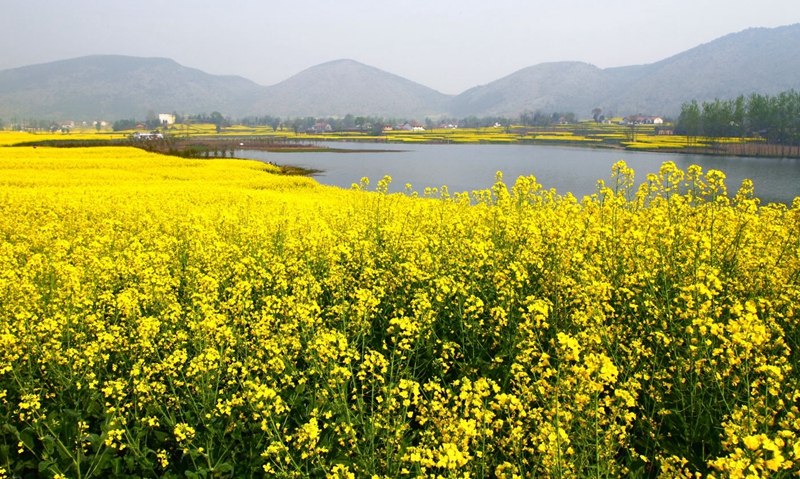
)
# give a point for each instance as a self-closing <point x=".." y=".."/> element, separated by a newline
<point x="117" y="465"/>
<point x="104" y="462"/>
<point x="26" y="437"/>
<point x="94" y="408"/>
<point x="45" y="465"/>
<point x="49" y="444"/>
<point x="224" y="467"/>
<point x="9" y="429"/>
<point x="54" y="420"/>
<point x="94" y="439"/>
<point x="63" y="454"/>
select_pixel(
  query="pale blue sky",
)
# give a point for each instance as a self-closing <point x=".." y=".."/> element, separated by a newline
<point x="447" y="45"/>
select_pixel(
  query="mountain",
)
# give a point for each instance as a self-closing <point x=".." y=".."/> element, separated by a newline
<point x="347" y="86"/>
<point x="114" y="87"/>
<point x="757" y="60"/>
<point x="761" y="60"/>
<point x="548" y="87"/>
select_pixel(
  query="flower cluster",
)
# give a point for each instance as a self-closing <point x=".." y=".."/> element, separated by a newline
<point x="168" y="317"/>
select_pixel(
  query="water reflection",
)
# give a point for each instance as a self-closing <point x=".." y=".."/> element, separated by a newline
<point x="472" y="167"/>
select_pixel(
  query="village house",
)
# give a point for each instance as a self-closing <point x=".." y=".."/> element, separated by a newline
<point x="642" y="120"/>
<point x="166" y="119"/>
<point x="410" y="126"/>
<point x="320" y="128"/>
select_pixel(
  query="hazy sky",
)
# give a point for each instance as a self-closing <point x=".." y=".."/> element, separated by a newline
<point x="446" y="45"/>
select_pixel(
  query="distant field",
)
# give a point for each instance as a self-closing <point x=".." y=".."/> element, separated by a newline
<point x="585" y="134"/>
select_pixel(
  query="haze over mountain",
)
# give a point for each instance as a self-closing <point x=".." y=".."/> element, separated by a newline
<point x="346" y="86"/>
<point x="114" y="87"/>
<point x="759" y="60"/>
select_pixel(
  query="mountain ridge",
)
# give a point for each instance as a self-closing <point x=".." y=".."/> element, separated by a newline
<point x="760" y="60"/>
<point x="755" y="60"/>
<point x="342" y="81"/>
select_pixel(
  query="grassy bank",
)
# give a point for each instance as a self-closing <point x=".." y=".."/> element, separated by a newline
<point x="583" y="134"/>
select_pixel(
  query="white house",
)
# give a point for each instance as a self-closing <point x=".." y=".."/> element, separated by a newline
<point x="166" y="118"/>
<point x="320" y="127"/>
<point x="410" y="126"/>
<point x="642" y="120"/>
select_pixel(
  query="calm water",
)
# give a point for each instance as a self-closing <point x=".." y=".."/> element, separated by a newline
<point x="472" y="167"/>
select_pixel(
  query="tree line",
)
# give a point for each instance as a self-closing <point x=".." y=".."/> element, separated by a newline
<point x="367" y="124"/>
<point x="376" y="123"/>
<point x="774" y="118"/>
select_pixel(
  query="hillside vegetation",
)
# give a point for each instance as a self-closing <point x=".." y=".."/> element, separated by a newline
<point x="757" y="60"/>
<point x="351" y="87"/>
<point x="112" y="87"/>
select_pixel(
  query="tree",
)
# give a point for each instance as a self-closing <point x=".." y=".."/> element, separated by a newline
<point x="793" y="111"/>
<point x="125" y="124"/>
<point x="689" y="121"/>
<point x="360" y="121"/>
<point x="377" y="129"/>
<point x="151" y="120"/>
<point x="596" y="114"/>
<point x="757" y="114"/>
<point x="218" y="120"/>
<point x="296" y="124"/>
<point x="632" y="131"/>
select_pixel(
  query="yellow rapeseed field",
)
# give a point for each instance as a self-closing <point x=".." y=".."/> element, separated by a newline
<point x="163" y="317"/>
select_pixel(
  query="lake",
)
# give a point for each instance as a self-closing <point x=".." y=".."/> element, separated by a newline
<point x="473" y="167"/>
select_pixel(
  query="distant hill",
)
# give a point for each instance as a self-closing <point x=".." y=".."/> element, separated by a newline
<point x="346" y="86"/>
<point x="548" y="87"/>
<point x="114" y="87"/>
<point x="110" y="87"/>
<point x="762" y="60"/>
